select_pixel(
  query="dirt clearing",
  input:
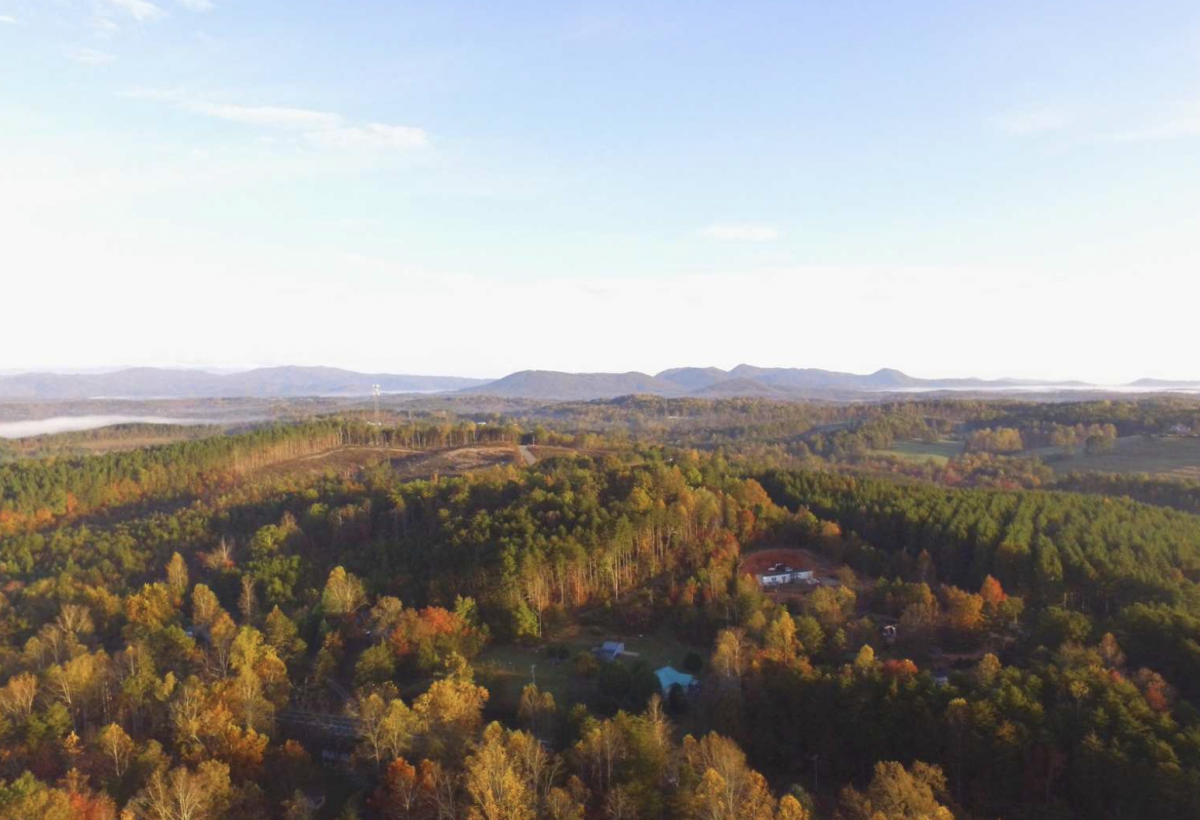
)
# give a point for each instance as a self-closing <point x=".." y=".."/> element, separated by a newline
<point x="758" y="561"/>
<point x="453" y="462"/>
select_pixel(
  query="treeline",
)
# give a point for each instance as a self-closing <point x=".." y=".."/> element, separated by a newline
<point x="714" y="422"/>
<point x="740" y="423"/>
<point x="1181" y="494"/>
<point x="1098" y="552"/>
<point x="74" y="442"/>
<point x="1151" y="416"/>
<point x="1095" y="437"/>
<point x="35" y="493"/>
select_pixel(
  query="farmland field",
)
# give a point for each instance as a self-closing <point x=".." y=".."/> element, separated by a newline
<point x="1173" y="457"/>
<point x="936" y="451"/>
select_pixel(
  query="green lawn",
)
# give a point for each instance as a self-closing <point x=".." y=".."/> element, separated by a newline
<point x="936" y="451"/>
<point x="506" y="669"/>
<point x="1175" y="457"/>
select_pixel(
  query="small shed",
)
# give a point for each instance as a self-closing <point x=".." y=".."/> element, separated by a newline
<point x="609" y="651"/>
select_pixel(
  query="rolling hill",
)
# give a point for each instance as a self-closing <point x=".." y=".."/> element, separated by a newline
<point x="271" y="382"/>
<point x="553" y="385"/>
<point x="712" y="382"/>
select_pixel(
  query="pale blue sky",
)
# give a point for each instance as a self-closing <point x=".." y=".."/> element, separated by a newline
<point x="949" y="188"/>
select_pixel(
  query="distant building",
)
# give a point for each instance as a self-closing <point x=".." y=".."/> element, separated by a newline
<point x="609" y="651"/>
<point x="783" y="574"/>
<point x="668" y="677"/>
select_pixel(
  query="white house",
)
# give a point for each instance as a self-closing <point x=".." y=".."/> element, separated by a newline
<point x="783" y="574"/>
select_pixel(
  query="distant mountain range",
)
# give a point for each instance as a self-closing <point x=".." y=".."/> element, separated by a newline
<point x="743" y="380"/>
<point x="701" y="382"/>
<point x="1166" y="384"/>
<point x="267" y="382"/>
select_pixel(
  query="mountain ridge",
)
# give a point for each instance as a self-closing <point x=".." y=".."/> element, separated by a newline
<point x="294" y="381"/>
<point x="744" y="380"/>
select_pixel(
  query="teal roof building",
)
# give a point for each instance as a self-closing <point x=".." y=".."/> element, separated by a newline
<point x="668" y="677"/>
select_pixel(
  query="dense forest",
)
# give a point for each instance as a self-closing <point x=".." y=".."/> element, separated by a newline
<point x="37" y="492"/>
<point x="185" y="634"/>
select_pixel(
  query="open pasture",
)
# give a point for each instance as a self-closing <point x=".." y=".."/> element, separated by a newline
<point x="1174" y="457"/>
<point x="938" y="452"/>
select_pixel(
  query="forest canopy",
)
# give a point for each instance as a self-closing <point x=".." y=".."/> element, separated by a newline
<point x="187" y="633"/>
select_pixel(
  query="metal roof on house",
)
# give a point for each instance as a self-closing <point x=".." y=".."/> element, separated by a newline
<point x="668" y="677"/>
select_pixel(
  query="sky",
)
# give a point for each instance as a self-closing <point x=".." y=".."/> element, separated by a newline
<point x="947" y="188"/>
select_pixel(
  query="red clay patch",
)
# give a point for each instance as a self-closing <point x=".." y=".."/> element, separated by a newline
<point x="758" y="561"/>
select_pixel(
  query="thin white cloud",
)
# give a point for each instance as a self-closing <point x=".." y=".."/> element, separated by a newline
<point x="7" y="20"/>
<point x="90" y="56"/>
<point x="196" y="5"/>
<point x="274" y="116"/>
<point x="270" y="115"/>
<point x="104" y="27"/>
<point x="1036" y="120"/>
<point x="140" y="10"/>
<point x="320" y="128"/>
<point x="1182" y="122"/>
<point x="374" y="135"/>
<point x="741" y="233"/>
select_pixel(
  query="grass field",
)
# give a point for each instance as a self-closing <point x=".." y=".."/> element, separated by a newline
<point x="506" y="669"/>
<point x="1174" y="457"/>
<point x="936" y="451"/>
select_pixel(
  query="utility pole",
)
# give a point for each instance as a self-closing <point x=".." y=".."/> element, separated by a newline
<point x="378" y="427"/>
<point x="533" y="671"/>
